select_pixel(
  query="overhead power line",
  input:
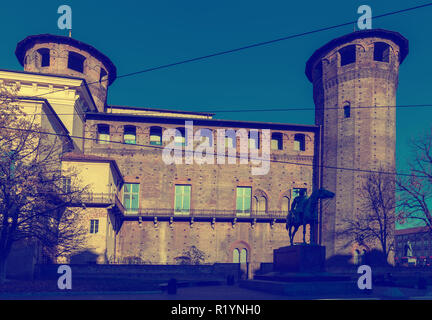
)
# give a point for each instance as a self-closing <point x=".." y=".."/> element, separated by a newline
<point x="250" y="46"/>
<point x="242" y="110"/>
<point x="225" y="154"/>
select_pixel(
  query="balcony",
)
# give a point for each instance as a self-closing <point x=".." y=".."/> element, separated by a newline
<point x="103" y="199"/>
<point x="204" y="214"/>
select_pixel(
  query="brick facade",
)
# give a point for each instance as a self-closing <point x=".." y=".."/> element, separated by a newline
<point x="346" y="135"/>
<point x="365" y="139"/>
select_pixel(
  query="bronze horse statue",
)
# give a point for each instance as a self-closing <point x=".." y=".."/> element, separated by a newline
<point x="309" y="216"/>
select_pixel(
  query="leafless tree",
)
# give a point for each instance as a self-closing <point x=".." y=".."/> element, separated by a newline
<point x="374" y="222"/>
<point x="415" y="191"/>
<point x="35" y="201"/>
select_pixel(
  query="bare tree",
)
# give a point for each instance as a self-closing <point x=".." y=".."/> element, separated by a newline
<point x="415" y="191"/>
<point x="374" y="222"/>
<point x="35" y="196"/>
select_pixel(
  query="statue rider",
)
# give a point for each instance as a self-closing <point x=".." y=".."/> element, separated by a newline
<point x="299" y="205"/>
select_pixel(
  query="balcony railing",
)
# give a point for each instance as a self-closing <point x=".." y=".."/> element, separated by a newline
<point x="206" y="214"/>
<point x="103" y="199"/>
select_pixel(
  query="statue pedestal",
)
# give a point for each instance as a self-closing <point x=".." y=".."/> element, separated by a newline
<point x="299" y="258"/>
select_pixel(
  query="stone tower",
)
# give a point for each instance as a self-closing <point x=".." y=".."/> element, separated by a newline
<point x="354" y="77"/>
<point x="59" y="55"/>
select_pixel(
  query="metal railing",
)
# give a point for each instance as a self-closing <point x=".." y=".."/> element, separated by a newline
<point x="103" y="199"/>
<point x="205" y="213"/>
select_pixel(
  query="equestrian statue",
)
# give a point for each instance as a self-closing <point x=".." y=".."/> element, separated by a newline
<point x="304" y="211"/>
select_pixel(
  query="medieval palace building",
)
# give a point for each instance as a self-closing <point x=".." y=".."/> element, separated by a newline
<point x="142" y="209"/>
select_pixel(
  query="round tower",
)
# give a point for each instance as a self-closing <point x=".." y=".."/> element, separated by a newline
<point x="355" y="78"/>
<point x="59" y="55"/>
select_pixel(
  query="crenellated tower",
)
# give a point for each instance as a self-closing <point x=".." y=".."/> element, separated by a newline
<point x="355" y="79"/>
<point x="59" y="55"/>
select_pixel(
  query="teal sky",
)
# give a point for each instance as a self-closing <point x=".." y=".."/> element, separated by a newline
<point x="141" y="34"/>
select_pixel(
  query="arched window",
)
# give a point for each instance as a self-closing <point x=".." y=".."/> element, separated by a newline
<point x="129" y="134"/>
<point x="230" y="139"/>
<point x="45" y="56"/>
<point x="262" y="205"/>
<point x="347" y="111"/>
<point x="103" y="134"/>
<point x="348" y="54"/>
<point x="156" y="136"/>
<point x="236" y="256"/>
<point x="206" y="137"/>
<point x="254" y="139"/>
<point x="243" y="256"/>
<point x="76" y="61"/>
<point x="180" y="138"/>
<point x="276" y="141"/>
<point x="381" y="51"/>
<point x="357" y="256"/>
<point x="285" y="205"/>
<point x="299" y="142"/>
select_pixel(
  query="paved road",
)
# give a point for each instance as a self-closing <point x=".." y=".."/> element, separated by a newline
<point x="217" y="293"/>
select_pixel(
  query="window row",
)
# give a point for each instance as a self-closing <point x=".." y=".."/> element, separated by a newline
<point x="182" y="199"/>
<point x="130" y="137"/>
<point x="75" y="61"/>
<point x="381" y="53"/>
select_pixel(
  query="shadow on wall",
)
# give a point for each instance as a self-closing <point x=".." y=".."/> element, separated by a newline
<point x="84" y="257"/>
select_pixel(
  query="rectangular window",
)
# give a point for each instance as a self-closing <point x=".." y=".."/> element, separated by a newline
<point x="103" y="134"/>
<point x="243" y="200"/>
<point x="130" y="135"/>
<point x="299" y="142"/>
<point x="66" y="185"/>
<point x="156" y="136"/>
<point x="182" y="199"/>
<point x="277" y="141"/>
<point x="94" y="226"/>
<point x="131" y="197"/>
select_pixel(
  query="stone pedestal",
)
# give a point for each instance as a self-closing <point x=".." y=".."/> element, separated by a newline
<point x="299" y="258"/>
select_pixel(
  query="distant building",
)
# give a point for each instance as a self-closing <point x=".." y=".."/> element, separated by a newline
<point x="420" y="241"/>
